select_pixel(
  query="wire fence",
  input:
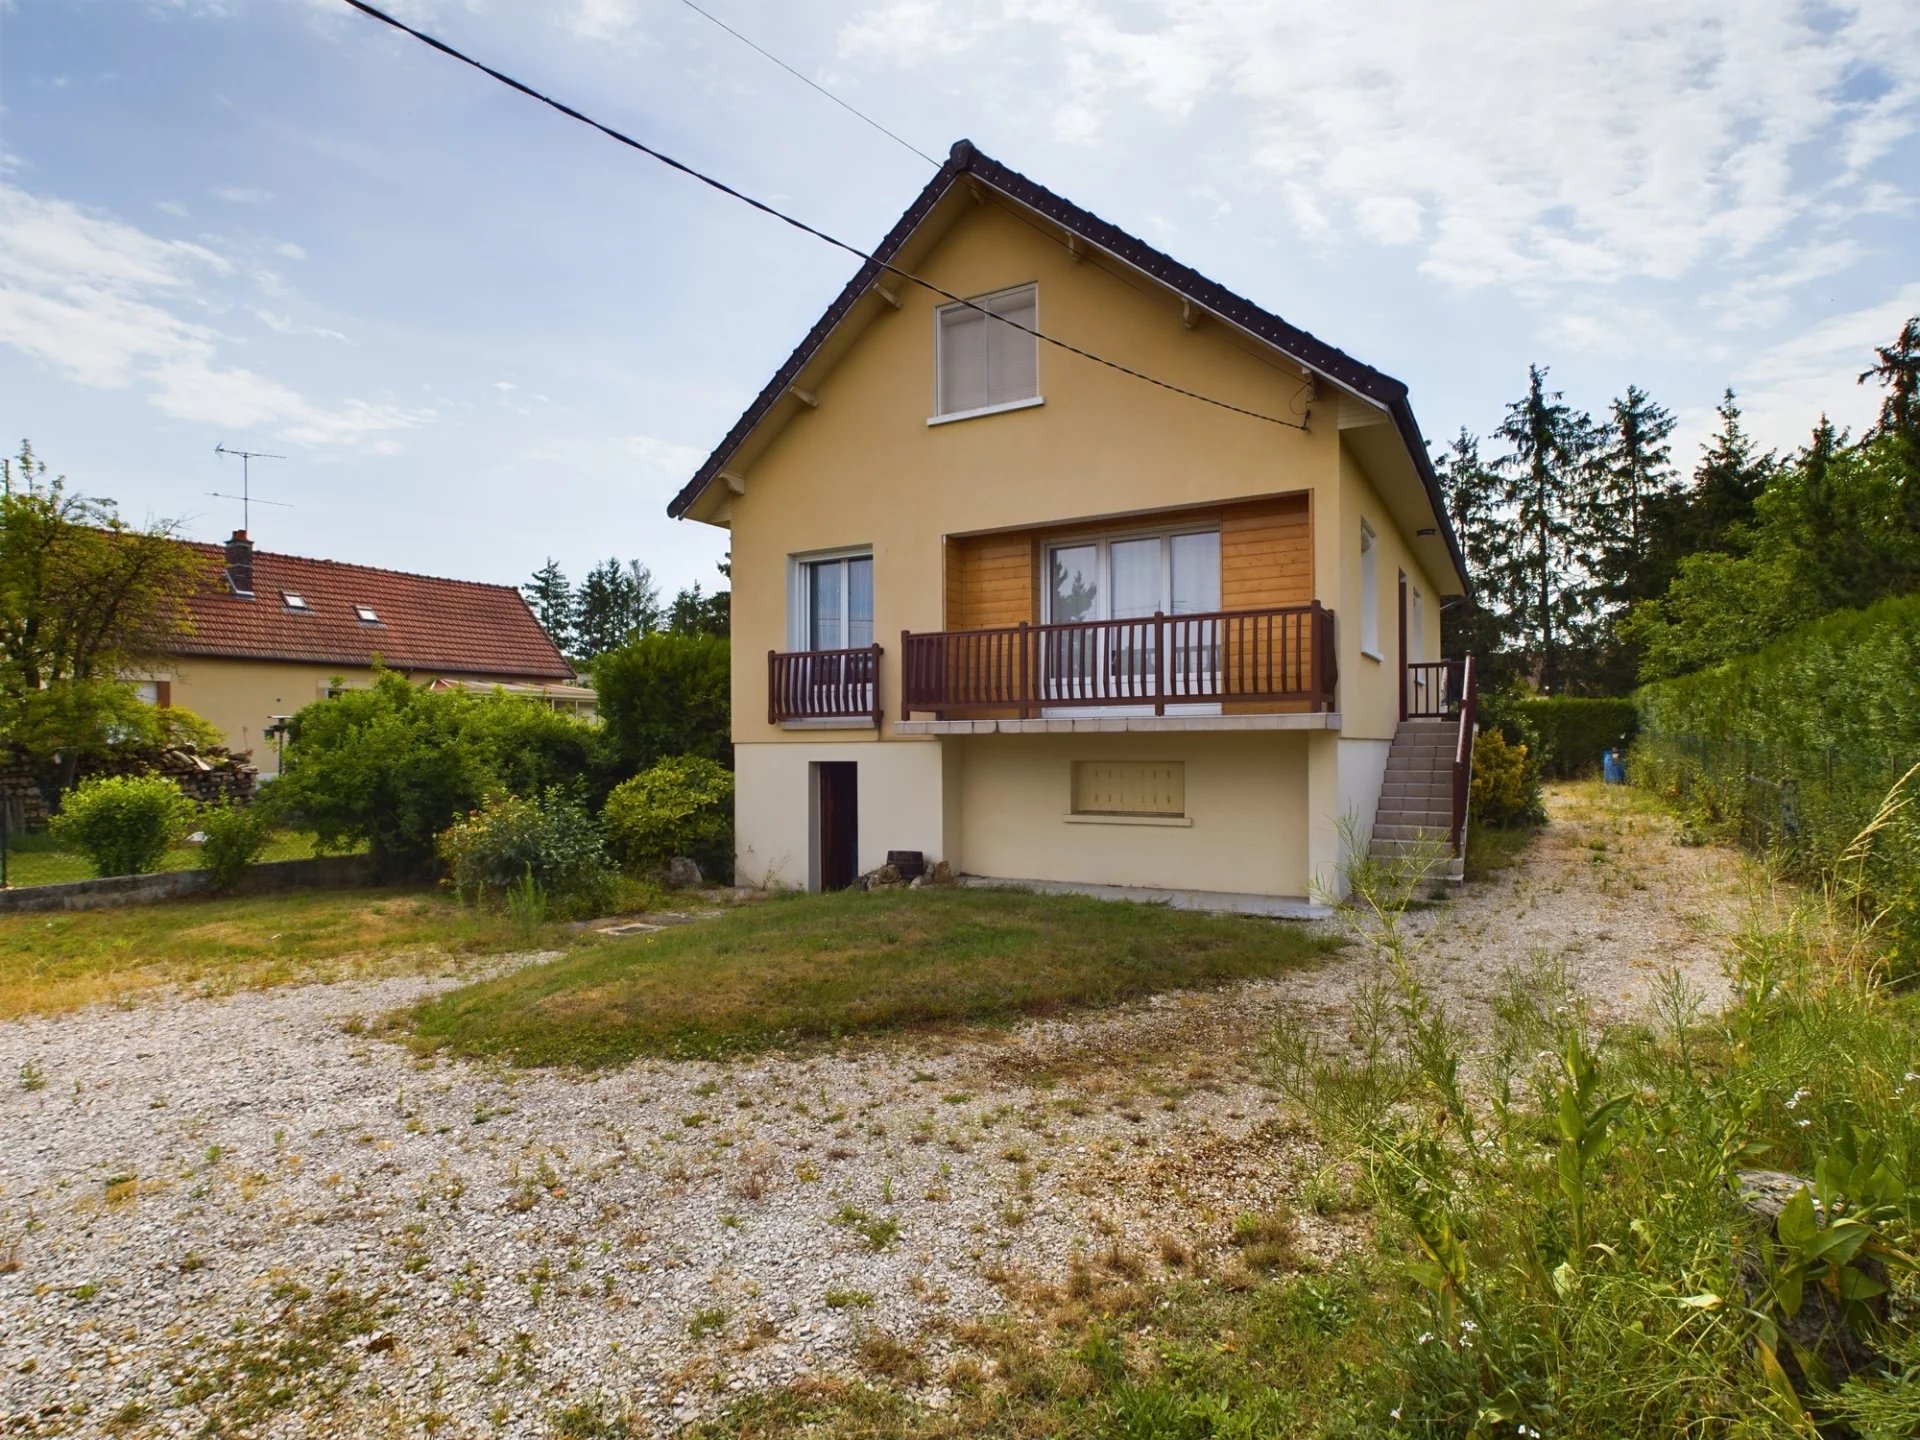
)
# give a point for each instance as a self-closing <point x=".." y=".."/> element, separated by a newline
<point x="1802" y="804"/>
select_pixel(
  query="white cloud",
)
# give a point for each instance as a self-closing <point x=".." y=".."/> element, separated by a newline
<point x="1784" y="387"/>
<point x="1523" y="145"/>
<point x="100" y="301"/>
<point x="241" y="194"/>
<point x="289" y="250"/>
<point x="171" y="207"/>
<point x="287" y="325"/>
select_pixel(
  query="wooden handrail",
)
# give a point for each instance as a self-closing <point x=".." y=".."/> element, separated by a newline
<point x="1283" y="653"/>
<point x="1431" y="689"/>
<point x="824" y="685"/>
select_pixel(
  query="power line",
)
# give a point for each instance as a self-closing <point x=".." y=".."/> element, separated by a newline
<point x="1019" y="214"/>
<point x="805" y="80"/>
<point x="622" y="138"/>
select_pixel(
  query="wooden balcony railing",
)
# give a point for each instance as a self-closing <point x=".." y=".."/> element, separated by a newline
<point x="1432" y="689"/>
<point x="1226" y="656"/>
<point x="824" y="685"/>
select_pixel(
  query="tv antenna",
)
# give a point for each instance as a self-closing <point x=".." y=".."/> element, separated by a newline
<point x="245" y="497"/>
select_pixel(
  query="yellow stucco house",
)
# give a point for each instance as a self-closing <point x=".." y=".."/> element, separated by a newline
<point x="1008" y="606"/>
<point x="271" y="634"/>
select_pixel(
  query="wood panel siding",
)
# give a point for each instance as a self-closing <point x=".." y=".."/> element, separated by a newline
<point x="990" y="581"/>
<point x="1266" y="562"/>
<point x="1266" y="554"/>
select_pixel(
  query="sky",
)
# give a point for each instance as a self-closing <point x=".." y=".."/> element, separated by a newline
<point x="481" y="335"/>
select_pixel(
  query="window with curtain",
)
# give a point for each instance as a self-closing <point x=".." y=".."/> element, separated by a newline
<point x="837" y="596"/>
<point x="982" y="361"/>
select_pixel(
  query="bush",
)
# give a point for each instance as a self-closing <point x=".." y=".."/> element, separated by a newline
<point x="395" y="765"/>
<point x="532" y="857"/>
<point x="1794" y="748"/>
<point x="123" y="823"/>
<point x="1504" y="790"/>
<point x="663" y="695"/>
<point x="682" y="806"/>
<point x="234" y="837"/>
<point x="1574" y="730"/>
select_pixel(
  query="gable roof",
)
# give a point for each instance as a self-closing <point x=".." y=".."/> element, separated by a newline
<point x="964" y="160"/>
<point x="424" y="623"/>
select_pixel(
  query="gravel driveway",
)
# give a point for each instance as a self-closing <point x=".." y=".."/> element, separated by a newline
<point x="252" y="1212"/>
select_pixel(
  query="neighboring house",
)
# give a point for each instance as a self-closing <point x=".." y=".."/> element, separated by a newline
<point x="273" y="633"/>
<point x="1006" y="606"/>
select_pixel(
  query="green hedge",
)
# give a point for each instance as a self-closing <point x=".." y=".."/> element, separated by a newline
<point x="1575" y="730"/>
<point x="1795" y="747"/>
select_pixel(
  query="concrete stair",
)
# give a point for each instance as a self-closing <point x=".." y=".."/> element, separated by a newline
<point x="1416" y="800"/>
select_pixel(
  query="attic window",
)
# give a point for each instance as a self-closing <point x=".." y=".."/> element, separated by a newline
<point x="986" y="354"/>
<point x="295" y="600"/>
<point x="366" y="614"/>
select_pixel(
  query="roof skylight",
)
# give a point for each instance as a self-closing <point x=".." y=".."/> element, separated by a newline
<point x="295" y="600"/>
<point x="366" y="614"/>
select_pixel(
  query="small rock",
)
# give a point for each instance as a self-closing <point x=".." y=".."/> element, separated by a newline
<point x="681" y="873"/>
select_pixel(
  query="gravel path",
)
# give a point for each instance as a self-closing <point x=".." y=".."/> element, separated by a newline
<point x="203" y="1200"/>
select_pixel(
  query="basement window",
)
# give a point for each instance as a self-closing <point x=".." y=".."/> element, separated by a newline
<point x="294" y="600"/>
<point x="1145" y="792"/>
<point x="367" y="614"/>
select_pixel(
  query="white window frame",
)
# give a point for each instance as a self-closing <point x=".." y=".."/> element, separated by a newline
<point x="1416" y="625"/>
<point x="939" y="417"/>
<point x="800" y="612"/>
<point x="1103" y="541"/>
<point x="1369" y="592"/>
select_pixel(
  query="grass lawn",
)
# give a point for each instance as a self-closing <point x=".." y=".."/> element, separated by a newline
<point x="820" y="966"/>
<point x="53" y="961"/>
<point x="37" y="860"/>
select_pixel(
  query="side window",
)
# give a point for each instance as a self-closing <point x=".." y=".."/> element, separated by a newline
<point x="981" y="362"/>
<point x="834" y="603"/>
<point x="1369" y="591"/>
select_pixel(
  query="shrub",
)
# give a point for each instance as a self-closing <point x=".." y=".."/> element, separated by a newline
<point x="123" y="823"/>
<point x="1794" y="748"/>
<point x="663" y="695"/>
<point x="1504" y="790"/>
<point x="530" y="856"/>
<point x="393" y="766"/>
<point x="1574" y="730"/>
<point x="234" y="837"/>
<point x="682" y="806"/>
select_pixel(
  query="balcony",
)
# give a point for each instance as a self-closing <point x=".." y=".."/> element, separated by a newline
<point x="1240" y="660"/>
<point x="824" y="686"/>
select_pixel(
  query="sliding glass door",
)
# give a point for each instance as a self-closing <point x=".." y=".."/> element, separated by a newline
<point x="1107" y="590"/>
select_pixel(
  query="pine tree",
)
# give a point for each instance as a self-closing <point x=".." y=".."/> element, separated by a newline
<point x="1473" y="492"/>
<point x="1727" y="481"/>
<point x="1545" y="582"/>
<point x="1898" y="432"/>
<point x="551" y="598"/>
<point x="616" y="602"/>
<point x="1637" y="480"/>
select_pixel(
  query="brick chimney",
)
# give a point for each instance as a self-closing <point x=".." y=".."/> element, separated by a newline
<point x="240" y="563"/>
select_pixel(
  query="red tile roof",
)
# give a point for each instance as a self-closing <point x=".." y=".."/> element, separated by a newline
<point x="452" y="626"/>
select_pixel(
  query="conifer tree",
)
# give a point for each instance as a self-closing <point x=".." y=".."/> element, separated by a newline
<point x="1546" y="582"/>
<point x="1637" y="480"/>
<point x="551" y="598"/>
<point x="1729" y="478"/>
<point x="1473" y="491"/>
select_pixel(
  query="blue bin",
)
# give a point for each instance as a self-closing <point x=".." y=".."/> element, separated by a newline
<point x="1613" y="768"/>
